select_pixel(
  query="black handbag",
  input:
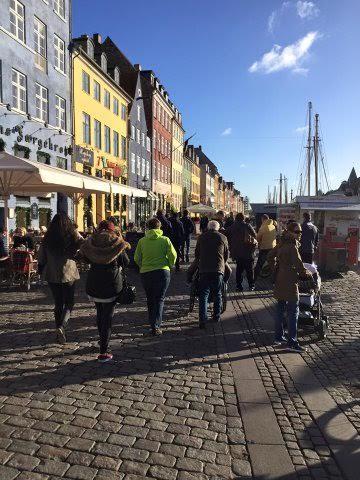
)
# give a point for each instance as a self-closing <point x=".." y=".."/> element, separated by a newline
<point x="127" y="296"/>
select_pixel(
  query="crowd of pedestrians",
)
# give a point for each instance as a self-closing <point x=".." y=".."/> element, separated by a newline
<point x="164" y="244"/>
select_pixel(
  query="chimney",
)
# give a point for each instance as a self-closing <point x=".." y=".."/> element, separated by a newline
<point x="97" y="38"/>
<point x="137" y="67"/>
<point x="200" y="148"/>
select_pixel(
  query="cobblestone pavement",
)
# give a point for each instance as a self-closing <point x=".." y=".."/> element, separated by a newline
<point x="192" y="404"/>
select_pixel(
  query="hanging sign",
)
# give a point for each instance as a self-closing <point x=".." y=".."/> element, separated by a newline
<point x="34" y="211"/>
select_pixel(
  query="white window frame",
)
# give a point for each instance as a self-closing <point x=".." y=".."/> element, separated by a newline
<point x="123" y="147"/>
<point x="133" y="132"/>
<point x="148" y="144"/>
<point x="143" y="167"/>
<point x="17" y="20"/>
<point x="40" y="43"/>
<point x="59" y="48"/>
<point x="123" y="111"/>
<point x="115" y="106"/>
<point x="116" y="145"/>
<point x="20" y="103"/>
<point x="143" y="139"/>
<point x="139" y="113"/>
<point x="41" y="102"/>
<point x="148" y="169"/>
<point x="133" y="163"/>
<point x="97" y="91"/>
<point x="138" y="136"/>
<point x="86" y="128"/>
<point x="138" y="165"/>
<point x="107" y="139"/>
<point x="97" y="133"/>
<point x="59" y="8"/>
<point x="85" y="82"/>
<point x="60" y="112"/>
<point x="107" y="99"/>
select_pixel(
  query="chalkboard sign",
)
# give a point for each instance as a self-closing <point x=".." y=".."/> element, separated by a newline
<point x="34" y="211"/>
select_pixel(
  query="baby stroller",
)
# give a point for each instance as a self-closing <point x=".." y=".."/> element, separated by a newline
<point x="193" y="277"/>
<point x="23" y="268"/>
<point x="311" y="310"/>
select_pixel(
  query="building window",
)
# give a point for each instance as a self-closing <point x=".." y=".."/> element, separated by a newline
<point x="148" y="144"/>
<point x="117" y="75"/>
<point x="42" y="103"/>
<point x="148" y="170"/>
<point x="90" y="48"/>
<point x="138" y="135"/>
<point x="143" y="139"/>
<point x="59" y="47"/>
<point x="116" y="106"/>
<point x="107" y="139"/>
<point x="116" y="143"/>
<point x="19" y="91"/>
<point x="123" y="112"/>
<point x="97" y="133"/>
<point x="60" y="112"/>
<point x="143" y="167"/>
<point x="40" y="43"/>
<point x="85" y="82"/>
<point x="17" y="20"/>
<point x="132" y="132"/>
<point x="59" y="7"/>
<point x="96" y="87"/>
<point x="138" y="165"/>
<point x="103" y="62"/>
<point x="86" y="128"/>
<point x="133" y="163"/>
<point x="139" y="113"/>
<point x="106" y="99"/>
<point x="123" y="147"/>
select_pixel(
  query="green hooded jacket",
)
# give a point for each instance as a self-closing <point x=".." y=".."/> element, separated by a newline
<point x="154" y="252"/>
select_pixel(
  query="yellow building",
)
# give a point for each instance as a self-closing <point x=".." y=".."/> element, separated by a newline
<point x="195" y="177"/>
<point x="100" y="122"/>
<point x="177" y="160"/>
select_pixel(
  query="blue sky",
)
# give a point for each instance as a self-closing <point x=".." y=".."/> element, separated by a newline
<point x="245" y="108"/>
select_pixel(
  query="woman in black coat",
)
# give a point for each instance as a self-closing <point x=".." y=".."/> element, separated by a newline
<point x="106" y="252"/>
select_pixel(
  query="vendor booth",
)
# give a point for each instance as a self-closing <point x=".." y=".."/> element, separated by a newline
<point x="338" y="220"/>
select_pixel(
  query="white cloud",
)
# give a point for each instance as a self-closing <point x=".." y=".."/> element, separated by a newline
<point x="307" y="9"/>
<point x="226" y="132"/>
<point x="289" y="57"/>
<point x="301" y="129"/>
<point x="275" y="16"/>
<point x="301" y="71"/>
<point x="242" y="165"/>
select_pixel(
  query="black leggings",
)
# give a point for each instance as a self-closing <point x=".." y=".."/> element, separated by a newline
<point x="63" y="294"/>
<point x="104" y="316"/>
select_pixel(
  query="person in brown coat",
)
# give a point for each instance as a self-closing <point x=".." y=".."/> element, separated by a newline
<point x="286" y="262"/>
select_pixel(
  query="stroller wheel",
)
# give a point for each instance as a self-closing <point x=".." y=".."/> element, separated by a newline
<point x="322" y="329"/>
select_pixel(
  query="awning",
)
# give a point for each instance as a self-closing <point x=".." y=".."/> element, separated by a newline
<point x="200" y="208"/>
<point x="94" y="185"/>
<point x="127" y="190"/>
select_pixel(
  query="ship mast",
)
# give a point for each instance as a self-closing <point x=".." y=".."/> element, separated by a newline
<point x="316" y="153"/>
<point x="308" y="147"/>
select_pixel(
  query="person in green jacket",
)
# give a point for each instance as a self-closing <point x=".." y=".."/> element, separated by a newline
<point x="155" y="255"/>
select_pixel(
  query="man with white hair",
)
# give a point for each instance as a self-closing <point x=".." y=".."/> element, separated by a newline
<point x="211" y="253"/>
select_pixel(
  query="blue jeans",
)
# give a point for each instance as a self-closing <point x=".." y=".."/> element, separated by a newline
<point x="210" y="283"/>
<point x="292" y="310"/>
<point x="155" y="284"/>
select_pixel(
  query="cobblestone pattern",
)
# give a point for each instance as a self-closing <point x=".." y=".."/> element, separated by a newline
<point x="333" y="361"/>
<point x="165" y="409"/>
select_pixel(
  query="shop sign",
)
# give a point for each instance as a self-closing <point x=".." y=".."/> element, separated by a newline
<point x="84" y="155"/>
<point x="34" y="211"/>
<point x="39" y="142"/>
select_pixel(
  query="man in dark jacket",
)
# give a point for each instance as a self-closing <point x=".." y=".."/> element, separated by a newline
<point x="230" y="220"/>
<point x="177" y="236"/>
<point x="309" y="239"/>
<point x="204" y="220"/>
<point x="242" y="239"/>
<point x="188" y="230"/>
<point x="212" y="253"/>
<point x="165" y="224"/>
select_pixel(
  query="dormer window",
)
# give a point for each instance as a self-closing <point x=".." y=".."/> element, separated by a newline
<point x="139" y="92"/>
<point x="117" y="75"/>
<point x="90" y="48"/>
<point x="103" y="62"/>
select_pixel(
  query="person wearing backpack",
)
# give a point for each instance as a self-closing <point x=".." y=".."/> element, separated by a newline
<point x="105" y="250"/>
<point x="242" y="243"/>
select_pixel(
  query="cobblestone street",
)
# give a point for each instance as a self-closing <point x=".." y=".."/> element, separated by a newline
<point x="192" y="404"/>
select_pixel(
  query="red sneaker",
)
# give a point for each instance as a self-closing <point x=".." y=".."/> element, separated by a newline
<point x="105" y="357"/>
